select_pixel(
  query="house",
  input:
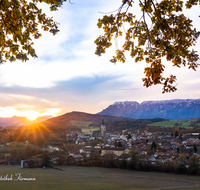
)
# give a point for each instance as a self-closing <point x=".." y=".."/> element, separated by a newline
<point x="14" y="160"/>
<point x="124" y="157"/>
<point x="4" y="159"/>
<point x="74" y="158"/>
<point x="115" y="151"/>
<point x="10" y="160"/>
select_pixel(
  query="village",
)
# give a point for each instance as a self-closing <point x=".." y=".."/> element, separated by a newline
<point x="140" y="150"/>
<point x="152" y="146"/>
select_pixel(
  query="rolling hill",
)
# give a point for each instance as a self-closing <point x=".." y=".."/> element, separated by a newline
<point x="78" y="120"/>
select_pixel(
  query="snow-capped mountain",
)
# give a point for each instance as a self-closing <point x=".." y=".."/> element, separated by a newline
<point x="168" y="109"/>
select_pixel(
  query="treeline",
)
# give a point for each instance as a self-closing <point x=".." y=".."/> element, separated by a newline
<point x="137" y="161"/>
<point x="37" y="135"/>
<point x="130" y="124"/>
<point x="170" y="129"/>
<point x="182" y="165"/>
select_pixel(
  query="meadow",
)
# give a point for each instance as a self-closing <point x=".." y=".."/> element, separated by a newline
<point x="171" y="124"/>
<point x="84" y="125"/>
<point x="92" y="178"/>
<point x="90" y="130"/>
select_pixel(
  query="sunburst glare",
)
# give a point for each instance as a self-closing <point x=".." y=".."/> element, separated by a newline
<point x="31" y="115"/>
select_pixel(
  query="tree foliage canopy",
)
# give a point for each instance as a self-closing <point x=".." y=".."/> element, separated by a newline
<point x="162" y="31"/>
<point x="19" y="24"/>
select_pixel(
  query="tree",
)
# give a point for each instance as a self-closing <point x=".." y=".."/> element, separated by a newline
<point x="134" y="154"/>
<point x="198" y="120"/>
<point x="109" y="160"/>
<point x="14" y="151"/>
<point x="195" y="148"/>
<point x="176" y="133"/>
<point x="27" y="151"/>
<point x="163" y="31"/>
<point x="176" y="124"/>
<point x="129" y="136"/>
<point x="115" y="144"/>
<point x="119" y="144"/>
<point x="19" y="24"/>
<point x="194" y="165"/>
<point x="193" y="123"/>
<point x="45" y="159"/>
<point x="153" y="146"/>
<point x="180" y="164"/>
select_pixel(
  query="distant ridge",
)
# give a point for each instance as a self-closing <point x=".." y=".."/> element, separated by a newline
<point x="168" y="109"/>
<point x="20" y="121"/>
<point x="70" y="119"/>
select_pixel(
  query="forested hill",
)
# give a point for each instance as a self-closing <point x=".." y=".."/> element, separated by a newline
<point x="79" y="119"/>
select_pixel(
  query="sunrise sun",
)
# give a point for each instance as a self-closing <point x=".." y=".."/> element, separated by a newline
<point x="32" y="115"/>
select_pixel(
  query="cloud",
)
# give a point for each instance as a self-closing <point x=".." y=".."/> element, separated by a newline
<point x="70" y="53"/>
<point x="70" y="93"/>
<point x="68" y="75"/>
<point x="82" y="85"/>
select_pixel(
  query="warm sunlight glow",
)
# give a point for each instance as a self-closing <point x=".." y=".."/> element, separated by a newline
<point x="32" y="115"/>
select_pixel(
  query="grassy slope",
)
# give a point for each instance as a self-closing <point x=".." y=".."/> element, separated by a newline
<point x="170" y="124"/>
<point x="83" y="178"/>
<point x="81" y="124"/>
<point x="90" y="130"/>
<point x="84" y="125"/>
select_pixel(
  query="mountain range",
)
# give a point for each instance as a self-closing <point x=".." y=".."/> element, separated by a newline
<point x="177" y="109"/>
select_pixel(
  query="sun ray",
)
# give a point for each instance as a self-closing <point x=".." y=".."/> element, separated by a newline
<point x="34" y="132"/>
<point x="21" y="132"/>
<point x="48" y="128"/>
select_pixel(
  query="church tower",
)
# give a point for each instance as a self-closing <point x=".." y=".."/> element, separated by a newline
<point x="103" y="129"/>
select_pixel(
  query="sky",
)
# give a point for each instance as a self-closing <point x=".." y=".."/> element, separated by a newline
<point x="67" y="75"/>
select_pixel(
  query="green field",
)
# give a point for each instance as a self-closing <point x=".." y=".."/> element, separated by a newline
<point x="84" y="125"/>
<point x="91" y="178"/>
<point x="89" y="130"/>
<point x="171" y="124"/>
<point x="81" y="123"/>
